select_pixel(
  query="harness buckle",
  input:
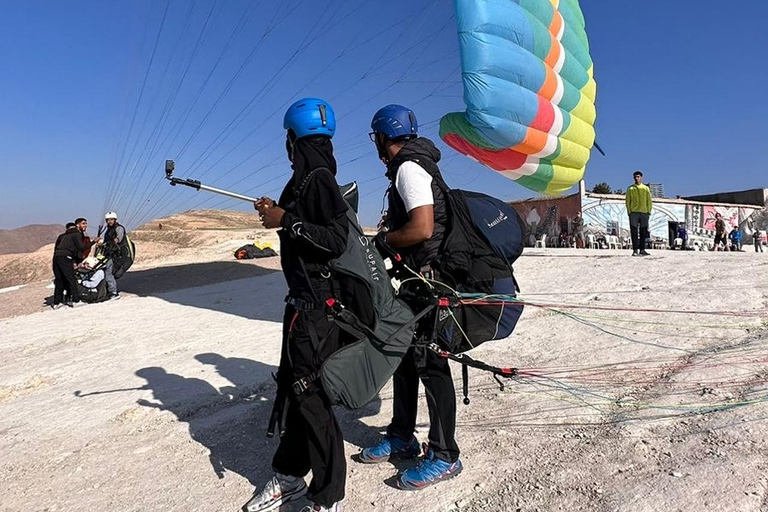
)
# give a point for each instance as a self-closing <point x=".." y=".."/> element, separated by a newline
<point x="301" y="385"/>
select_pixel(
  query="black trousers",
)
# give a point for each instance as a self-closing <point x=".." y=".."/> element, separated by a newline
<point x="719" y="239"/>
<point x="64" y="279"/>
<point x="423" y="364"/>
<point x="638" y="227"/>
<point x="312" y="438"/>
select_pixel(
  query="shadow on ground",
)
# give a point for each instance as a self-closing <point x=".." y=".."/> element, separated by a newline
<point x="231" y="422"/>
<point x="241" y="288"/>
<point x="155" y="281"/>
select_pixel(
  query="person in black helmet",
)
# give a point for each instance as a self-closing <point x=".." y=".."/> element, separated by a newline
<point x="415" y="225"/>
<point x="311" y="215"/>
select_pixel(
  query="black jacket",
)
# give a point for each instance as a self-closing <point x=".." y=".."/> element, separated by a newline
<point x="70" y="244"/>
<point x="314" y="231"/>
<point x="423" y="152"/>
<point x="111" y="249"/>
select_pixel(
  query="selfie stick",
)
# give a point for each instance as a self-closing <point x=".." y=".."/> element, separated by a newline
<point x="169" y="167"/>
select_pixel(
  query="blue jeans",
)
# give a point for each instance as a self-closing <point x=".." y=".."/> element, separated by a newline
<point x="111" y="281"/>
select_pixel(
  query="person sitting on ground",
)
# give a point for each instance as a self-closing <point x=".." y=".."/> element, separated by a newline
<point x="735" y="237"/>
<point x="92" y="286"/>
<point x="757" y="239"/>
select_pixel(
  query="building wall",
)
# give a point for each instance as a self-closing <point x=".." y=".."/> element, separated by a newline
<point x="603" y="214"/>
<point x="757" y="197"/>
<point x="546" y="215"/>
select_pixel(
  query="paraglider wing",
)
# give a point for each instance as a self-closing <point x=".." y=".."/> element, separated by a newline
<point x="529" y="91"/>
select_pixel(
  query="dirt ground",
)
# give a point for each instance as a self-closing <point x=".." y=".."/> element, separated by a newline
<point x="642" y="387"/>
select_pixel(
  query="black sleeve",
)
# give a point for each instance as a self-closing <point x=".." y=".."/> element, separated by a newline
<point x="79" y="243"/>
<point x="323" y="233"/>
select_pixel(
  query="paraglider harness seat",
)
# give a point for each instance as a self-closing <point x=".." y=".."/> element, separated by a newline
<point x="443" y="309"/>
<point x="97" y="294"/>
<point x="469" y="297"/>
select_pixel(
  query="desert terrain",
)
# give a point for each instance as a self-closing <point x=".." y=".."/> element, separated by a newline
<point x="643" y="386"/>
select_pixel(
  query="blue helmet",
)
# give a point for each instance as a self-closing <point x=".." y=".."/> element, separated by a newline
<point x="395" y="121"/>
<point x="310" y="116"/>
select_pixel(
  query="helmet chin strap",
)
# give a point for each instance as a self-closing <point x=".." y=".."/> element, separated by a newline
<point x="290" y="144"/>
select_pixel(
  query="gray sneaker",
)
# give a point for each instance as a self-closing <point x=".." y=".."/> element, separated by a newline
<point x="336" y="507"/>
<point x="279" y="490"/>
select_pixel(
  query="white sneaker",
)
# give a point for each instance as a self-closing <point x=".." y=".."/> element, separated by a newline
<point x="281" y="489"/>
<point x="336" y="507"/>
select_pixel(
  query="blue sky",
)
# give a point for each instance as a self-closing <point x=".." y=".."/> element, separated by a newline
<point x="87" y="122"/>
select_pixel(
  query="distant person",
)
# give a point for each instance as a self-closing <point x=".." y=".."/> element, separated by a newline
<point x="682" y="234"/>
<point x="59" y="283"/>
<point x="66" y="255"/>
<point x="69" y="226"/>
<point x="639" y="205"/>
<point x="720" y="236"/>
<point x="578" y="230"/>
<point x="757" y="239"/>
<point x="115" y="244"/>
<point x="735" y="237"/>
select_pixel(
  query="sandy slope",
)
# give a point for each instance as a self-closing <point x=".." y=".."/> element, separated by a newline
<point x="160" y="401"/>
<point x="196" y="235"/>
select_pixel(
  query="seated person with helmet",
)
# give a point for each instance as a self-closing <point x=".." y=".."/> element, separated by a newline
<point x="92" y="285"/>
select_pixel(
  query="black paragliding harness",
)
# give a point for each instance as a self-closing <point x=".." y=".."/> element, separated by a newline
<point x="439" y="304"/>
<point x="478" y="307"/>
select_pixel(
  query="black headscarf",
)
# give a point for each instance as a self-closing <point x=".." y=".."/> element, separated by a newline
<point x="307" y="154"/>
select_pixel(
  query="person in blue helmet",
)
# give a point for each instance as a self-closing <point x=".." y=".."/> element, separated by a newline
<point x="311" y="216"/>
<point x="415" y="224"/>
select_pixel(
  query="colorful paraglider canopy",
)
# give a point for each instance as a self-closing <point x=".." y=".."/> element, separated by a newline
<point x="529" y="91"/>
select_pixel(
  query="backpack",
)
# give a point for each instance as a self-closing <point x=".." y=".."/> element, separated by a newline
<point x="123" y="260"/>
<point x="353" y="375"/>
<point x="252" y="251"/>
<point x="484" y="237"/>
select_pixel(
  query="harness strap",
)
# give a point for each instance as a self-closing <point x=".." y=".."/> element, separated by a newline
<point x="465" y="382"/>
<point x="303" y="305"/>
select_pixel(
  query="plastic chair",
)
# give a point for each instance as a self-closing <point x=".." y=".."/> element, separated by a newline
<point x="592" y="242"/>
<point x="678" y="243"/>
<point x="613" y="242"/>
<point x="542" y="242"/>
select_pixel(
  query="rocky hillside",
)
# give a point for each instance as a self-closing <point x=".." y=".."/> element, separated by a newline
<point x="28" y="238"/>
<point x="202" y="235"/>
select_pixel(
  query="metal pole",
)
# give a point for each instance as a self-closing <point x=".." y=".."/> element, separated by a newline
<point x="227" y="193"/>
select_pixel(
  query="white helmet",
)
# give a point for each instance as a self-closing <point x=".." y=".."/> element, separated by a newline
<point x="110" y="215"/>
